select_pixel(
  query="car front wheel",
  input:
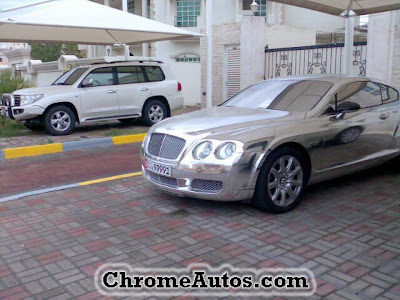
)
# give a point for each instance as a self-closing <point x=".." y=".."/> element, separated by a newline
<point x="281" y="181"/>
<point x="154" y="111"/>
<point x="59" y="120"/>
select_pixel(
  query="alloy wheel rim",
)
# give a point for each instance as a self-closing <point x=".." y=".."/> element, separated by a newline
<point x="285" y="180"/>
<point x="60" y="121"/>
<point x="156" y="113"/>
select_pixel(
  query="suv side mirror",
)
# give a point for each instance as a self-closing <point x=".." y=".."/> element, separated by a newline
<point x="87" y="82"/>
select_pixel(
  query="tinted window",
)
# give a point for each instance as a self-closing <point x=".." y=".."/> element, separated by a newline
<point x="389" y="94"/>
<point x="361" y="94"/>
<point x="288" y="95"/>
<point x="127" y="75"/>
<point x="70" y="77"/>
<point x="154" y="73"/>
<point x="102" y="77"/>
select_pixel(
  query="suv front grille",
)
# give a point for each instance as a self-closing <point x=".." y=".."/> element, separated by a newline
<point x="17" y="100"/>
<point x="210" y="186"/>
<point x="171" y="182"/>
<point x="165" y="146"/>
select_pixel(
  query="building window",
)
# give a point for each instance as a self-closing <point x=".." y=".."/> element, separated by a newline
<point x="187" y="59"/>
<point x="131" y="6"/>
<point x="149" y="9"/>
<point x="187" y="12"/>
<point x="262" y="6"/>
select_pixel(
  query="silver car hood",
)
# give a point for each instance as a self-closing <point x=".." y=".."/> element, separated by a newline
<point x="225" y="122"/>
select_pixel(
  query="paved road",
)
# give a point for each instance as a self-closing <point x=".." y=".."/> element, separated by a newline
<point x="346" y="231"/>
<point x="26" y="174"/>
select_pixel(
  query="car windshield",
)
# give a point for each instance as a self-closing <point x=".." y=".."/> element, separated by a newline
<point x="287" y="95"/>
<point x="70" y="77"/>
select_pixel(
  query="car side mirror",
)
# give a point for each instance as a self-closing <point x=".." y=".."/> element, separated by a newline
<point x="348" y="106"/>
<point x="87" y="82"/>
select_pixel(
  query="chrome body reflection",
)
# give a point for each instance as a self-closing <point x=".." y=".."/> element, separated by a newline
<point x="340" y="125"/>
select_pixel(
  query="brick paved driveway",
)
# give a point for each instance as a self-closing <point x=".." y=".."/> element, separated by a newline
<point x="346" y="231"/>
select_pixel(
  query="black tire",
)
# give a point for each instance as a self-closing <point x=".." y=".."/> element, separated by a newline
<point x="62" y="109"/>
<point x="262" y="198"/>
<point x="127" y="121"/>
<point x="34" y="125"/>
<point x="151" y="104"/>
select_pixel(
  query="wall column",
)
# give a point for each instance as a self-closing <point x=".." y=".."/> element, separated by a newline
<point x="126" y="47"/>
<point x="145" y="46"/>
<point x="252" y="51"/>
<point x="383" y="50"/>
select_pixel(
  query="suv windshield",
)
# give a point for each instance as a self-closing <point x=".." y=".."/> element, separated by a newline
<point x="288" y="95"/>
<point x="70" y="77"/>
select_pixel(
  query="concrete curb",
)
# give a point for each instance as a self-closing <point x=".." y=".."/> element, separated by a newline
<point x="37" y="150"/>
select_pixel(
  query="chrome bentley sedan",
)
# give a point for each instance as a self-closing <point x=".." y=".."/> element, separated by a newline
<point x="269" y="141"/>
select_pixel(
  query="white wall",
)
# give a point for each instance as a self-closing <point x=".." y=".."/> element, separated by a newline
<point x="188" y="74"/>
<point x="47" y="78"/>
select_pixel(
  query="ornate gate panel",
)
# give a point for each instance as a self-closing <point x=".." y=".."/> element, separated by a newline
<point x="320" y="59"/>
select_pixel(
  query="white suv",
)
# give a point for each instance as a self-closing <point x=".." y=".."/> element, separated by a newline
<point x="107" y="91"/>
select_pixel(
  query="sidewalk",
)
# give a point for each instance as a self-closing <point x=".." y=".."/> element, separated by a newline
<point x="82" y="132"/>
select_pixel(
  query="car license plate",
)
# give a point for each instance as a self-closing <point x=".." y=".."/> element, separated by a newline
<point x="158" y="168"/>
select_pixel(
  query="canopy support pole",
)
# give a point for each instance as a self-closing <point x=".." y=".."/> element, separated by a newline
<point x="125" y="9"/>
<point x="347" y="64"/>
<point x="209" y="28"/>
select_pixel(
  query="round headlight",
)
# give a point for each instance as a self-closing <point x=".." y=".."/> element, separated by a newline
<point x="226" y="150"/>
<point x="202" y="150"/>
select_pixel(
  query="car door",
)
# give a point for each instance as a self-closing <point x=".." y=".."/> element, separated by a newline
<point x="354" y="126"/>
<point x="391" y="103"/>
<point x="99" y="99"/>
<point x="133" y="90"/>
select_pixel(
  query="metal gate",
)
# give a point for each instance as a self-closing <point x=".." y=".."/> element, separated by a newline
<point x="320" y="59"/>
<point x="232" y="71"/>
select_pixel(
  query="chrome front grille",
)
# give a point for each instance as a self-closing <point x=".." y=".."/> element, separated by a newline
<point x="171" y="182"/>
<point x="211" y="186"/>
<point x="17" y="100"/>
<point x="165" y="146"/>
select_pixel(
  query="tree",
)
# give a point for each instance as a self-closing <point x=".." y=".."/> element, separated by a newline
<point x="51" y="52"/>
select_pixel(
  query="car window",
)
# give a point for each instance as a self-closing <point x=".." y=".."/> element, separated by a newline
<point x="101" y="77"/>
<point x="355" y="95"/>
<point x="70" y="77"/>
<point x="128" y="75"/>
<point x="154" y="73"/>
<point x="389" y="94"/>
<point x="287" y="95"/>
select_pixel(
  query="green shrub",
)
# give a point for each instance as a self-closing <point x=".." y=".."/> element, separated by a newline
<point x="9" y="84"/>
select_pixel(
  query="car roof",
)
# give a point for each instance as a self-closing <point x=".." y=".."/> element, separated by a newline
<point x="334" y="78"/>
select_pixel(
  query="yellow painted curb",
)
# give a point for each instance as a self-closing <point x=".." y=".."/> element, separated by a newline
<point x="32" y="150"/>
<point x="109" y="178"/>
<point x="127" y="139"/>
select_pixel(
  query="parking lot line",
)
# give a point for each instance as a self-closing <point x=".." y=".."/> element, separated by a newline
<point x="68" y="186"/>
<point x="110" y="178"/>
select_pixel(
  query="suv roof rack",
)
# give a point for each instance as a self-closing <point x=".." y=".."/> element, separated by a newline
<point x="128" y="61"/>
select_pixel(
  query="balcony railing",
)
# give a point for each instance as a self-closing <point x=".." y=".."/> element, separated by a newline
<point x="186" y="21"/>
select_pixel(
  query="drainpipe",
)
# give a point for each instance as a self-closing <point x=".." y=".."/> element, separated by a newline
<point x="209" y="28"/>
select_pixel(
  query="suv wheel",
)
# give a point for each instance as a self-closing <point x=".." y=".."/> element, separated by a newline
<point x="154" y="111"/>
<point x="281" y="181"/>
<point x="59" y="120"/>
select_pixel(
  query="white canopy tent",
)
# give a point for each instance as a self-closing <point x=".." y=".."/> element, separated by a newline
<point x="81" y="22"/>
<point x="347" y="9"/>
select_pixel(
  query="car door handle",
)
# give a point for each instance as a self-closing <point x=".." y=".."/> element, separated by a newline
<point x="384" y="116"/>
<point x="144" y="89"/>
<point x="111" y="91"/>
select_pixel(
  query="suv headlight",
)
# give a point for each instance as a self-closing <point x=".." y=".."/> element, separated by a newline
<point x="29" y="99"/>
<point x="202" y="150"/>
<point x="225" y="150"/>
